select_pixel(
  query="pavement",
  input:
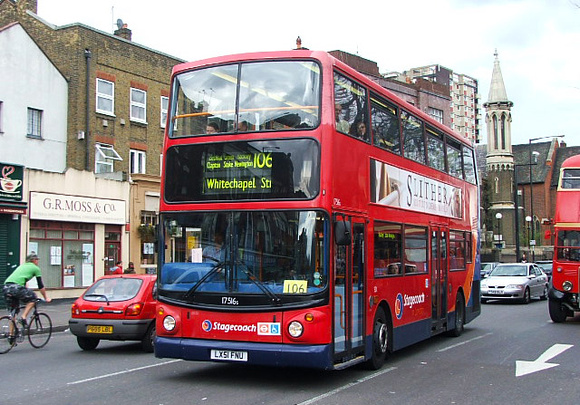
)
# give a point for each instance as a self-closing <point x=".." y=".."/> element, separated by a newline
<point x="59" y="312"/>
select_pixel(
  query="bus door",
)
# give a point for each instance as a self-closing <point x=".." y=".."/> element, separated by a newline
<point x="349" y="272"/>
<point x="439" y="274"/>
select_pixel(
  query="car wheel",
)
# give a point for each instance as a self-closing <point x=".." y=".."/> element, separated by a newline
<point x="544" y="295"/>
<point x="484" y="300"/>
<point x="149" y="339"/>
<point x="381" y="336"/>
<point x="557" y="311"/>
<point x="526" y="299"/>
<point x="459" y="317"/>
<point x="86" y="343"/>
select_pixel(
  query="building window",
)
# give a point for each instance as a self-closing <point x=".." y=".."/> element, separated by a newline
<point x="34" y="126"/>
<point x="149" y="222"/>
<point x="436" y="114"/>
<point x="138" y="105"/>
<point x="105" y="155"/>
<point x="105" y="97"/>
<point x="137" y="161"/>
<point x="164" y="107"/>
<point x="66" y="251"/>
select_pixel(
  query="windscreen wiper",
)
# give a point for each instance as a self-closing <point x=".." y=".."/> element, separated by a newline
<point x="275" y="299"/>
<point x="218" y="267"/>
<point x="98" y="295"/>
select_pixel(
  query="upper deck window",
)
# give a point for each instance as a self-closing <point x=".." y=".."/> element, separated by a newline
<point x="350" y="103"/>
<point x="413" y="141"/>
<point x="571" y="179"/>
<point x="252" y="96"/>
<point x="385" y="125"/>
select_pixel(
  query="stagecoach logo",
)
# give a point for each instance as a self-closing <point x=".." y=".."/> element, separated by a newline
<point x="206" y="325"/>
<point x="399" y="306"/>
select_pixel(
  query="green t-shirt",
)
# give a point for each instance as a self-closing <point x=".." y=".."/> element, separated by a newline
<point x="23" y="273"/>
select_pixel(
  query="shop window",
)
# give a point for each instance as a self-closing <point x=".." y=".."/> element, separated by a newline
<point x="65" y="251"/>
<point x="149" y="221"/>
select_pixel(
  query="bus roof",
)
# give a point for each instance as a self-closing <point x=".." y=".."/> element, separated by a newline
<point x="573" y="161"/>
<point x="325" y="58"/>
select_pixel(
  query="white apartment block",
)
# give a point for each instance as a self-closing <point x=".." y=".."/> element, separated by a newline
<point x="464" y="94"/>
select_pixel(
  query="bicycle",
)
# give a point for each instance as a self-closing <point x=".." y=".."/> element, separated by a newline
<point x="38" y="329"/>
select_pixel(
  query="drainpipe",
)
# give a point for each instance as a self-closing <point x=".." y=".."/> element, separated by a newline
<point x="87" y="98"/>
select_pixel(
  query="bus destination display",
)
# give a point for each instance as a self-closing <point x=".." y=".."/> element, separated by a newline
<point x="238" y="172"/>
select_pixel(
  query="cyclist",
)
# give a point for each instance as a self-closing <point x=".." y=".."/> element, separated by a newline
<point x="15" y="285"/>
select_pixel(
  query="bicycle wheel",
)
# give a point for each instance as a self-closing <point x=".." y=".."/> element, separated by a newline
<point x="7" y="340"/>
<point x="39" y="330"/>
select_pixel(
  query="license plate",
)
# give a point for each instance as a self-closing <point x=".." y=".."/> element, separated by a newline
<point x="231" y="355"/>
<point x="495" y="292"/>
<point x="99" y="329"/>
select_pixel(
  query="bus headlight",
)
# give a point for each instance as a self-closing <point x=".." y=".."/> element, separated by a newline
<point x="567" y="285"/>
<point x="295" y="329"/>
<point x="169" y="323"/>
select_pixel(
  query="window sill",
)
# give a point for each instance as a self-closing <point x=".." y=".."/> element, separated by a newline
<point x="138" y="123"/>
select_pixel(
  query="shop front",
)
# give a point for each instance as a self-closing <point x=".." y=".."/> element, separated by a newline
<point x="12" y="207"/>
<point x="77" y="236"/>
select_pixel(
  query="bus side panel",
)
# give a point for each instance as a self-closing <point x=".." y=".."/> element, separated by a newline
<point x="411" y="333"/>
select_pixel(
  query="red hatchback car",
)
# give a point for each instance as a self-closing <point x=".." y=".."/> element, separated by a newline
<point x="116" y="307"/>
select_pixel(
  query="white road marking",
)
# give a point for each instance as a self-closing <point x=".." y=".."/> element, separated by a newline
<point x="347" y="386"/>
<point x="528" y="367"/>
<point x="464" y="342"/>
<point x="121" y="372"/>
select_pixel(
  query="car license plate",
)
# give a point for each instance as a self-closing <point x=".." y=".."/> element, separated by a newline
<point x="495" y="292"/>
<point x="231" y="355"/>
<point x="99" y="329"/>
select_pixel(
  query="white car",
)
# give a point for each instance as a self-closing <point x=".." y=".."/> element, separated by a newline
<point x="515" y="281"/>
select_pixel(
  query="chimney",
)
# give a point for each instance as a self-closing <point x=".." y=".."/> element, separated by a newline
<point x="124" y="32"/>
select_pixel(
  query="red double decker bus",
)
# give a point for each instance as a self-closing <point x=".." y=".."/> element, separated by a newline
<point x="563" y="295"/>
<point x="310" y="217"/>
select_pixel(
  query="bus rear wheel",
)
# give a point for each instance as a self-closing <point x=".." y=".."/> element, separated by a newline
<point x="381" y="333"/>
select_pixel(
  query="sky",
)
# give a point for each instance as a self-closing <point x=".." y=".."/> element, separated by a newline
<point x="537" y="41"/>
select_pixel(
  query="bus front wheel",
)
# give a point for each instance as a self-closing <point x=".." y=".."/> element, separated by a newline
<point x="557" y="311"/>
<point x="381" y="333"/>
<point x="459" y="324"/>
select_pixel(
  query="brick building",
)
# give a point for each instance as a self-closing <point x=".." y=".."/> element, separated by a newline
<point x="116" y="95"/>
<point x="431" y="97"/>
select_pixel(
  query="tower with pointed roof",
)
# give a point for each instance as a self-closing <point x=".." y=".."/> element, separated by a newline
<point x="499" y="158"/>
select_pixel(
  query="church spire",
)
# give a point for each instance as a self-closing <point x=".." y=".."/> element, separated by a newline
<point x="498" y="118"/>
<point x="497" y="93"/>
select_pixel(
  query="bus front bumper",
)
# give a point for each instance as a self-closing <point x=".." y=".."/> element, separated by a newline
<point x="265" y="354"/>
